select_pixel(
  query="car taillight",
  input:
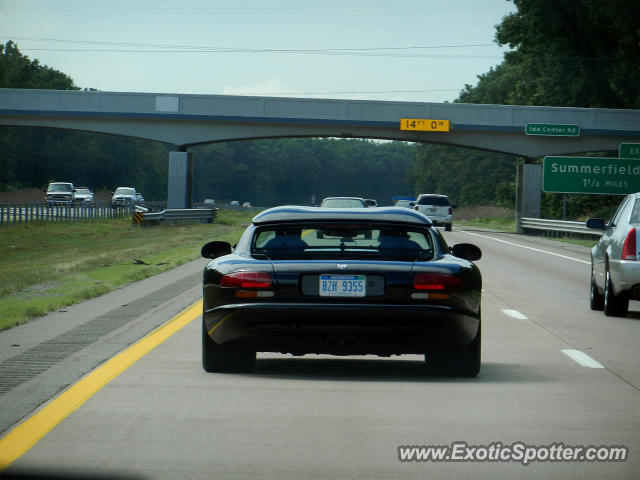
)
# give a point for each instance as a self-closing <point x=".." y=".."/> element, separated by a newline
<point x="415" y="207"/>
<point x="450" y="210"/>
<point x="437" y="282"/>
<point x="629" y="251"/>
<point x="246" y="280"/>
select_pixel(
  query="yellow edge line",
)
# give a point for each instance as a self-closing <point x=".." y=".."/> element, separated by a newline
<point x="26" y="434"/>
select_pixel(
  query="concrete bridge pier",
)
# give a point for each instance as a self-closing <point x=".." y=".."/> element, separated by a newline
<point x="528" y="193"/>
<point x="180" y="184"/>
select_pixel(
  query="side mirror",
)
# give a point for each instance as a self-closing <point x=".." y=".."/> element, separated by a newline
<point x="468" y="251"/>
<point x="596" y="223"/>
<point x="215" y="249"/>
<point x="412" y="204"/>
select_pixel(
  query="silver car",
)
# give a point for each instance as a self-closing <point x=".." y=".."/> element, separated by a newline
<point x="124" y="196"/>
<point x="615" y="259"/>
<point x="82" y="196"/>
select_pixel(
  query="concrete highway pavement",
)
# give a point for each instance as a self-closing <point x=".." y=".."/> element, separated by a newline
<point x="330" y="417"/>
<point x="548" y="282"/>
<point x="45" y="355"/>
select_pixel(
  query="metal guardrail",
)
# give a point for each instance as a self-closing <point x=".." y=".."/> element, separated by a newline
<point x="16" y="214"/>
<point x="182" y="215"/>
<point x="558" y="226"/>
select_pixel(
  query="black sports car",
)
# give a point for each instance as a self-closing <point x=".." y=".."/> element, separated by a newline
<point x="345" y="282"/>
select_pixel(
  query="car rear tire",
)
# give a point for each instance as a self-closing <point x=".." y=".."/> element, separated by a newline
<point x="596" y="299"/>
<point x="614" y="305"/>
<point x="447" y="227"/>
<point x="463" y="362"/>
<point x="216" y="358"/>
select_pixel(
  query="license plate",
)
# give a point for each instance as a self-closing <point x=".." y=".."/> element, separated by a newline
<point x="433" y="210"/>
<point x="343" y="285"/>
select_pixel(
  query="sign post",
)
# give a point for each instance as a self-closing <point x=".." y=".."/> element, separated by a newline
<point x="596" y="175"/>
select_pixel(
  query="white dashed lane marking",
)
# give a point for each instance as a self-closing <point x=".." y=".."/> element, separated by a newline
<point x="576" y="355"/>
<point x="582" y="358"/>
<point x="514" y="314"/>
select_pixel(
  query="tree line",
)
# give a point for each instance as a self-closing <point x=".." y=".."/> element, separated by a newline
<point x="264" y="172"/>
<point x="573" y="53"/>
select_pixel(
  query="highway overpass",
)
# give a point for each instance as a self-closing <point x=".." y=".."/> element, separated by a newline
<point x="185" y="120"/>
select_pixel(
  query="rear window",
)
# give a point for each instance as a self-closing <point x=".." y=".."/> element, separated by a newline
<point x="434" y="200"/>
<point x="635" y="213"/>
<point x="343" y="241"/>
<point x="60" y="187"/>
<point x="343" y="203"/>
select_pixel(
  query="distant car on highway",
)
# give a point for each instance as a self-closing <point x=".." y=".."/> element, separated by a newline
<point x="246" y="205"/>
<point x="437" y="208"/>
<point x="139" y="198"/>
<point x="343" y="202"/>
<point x="59" y="193"/>
<point x="405" y="203"/>
<point x="124" y="197"/>
<point x="615" y="259"/>
<point x="82" y="196"/>
<point x="344" y="282"/>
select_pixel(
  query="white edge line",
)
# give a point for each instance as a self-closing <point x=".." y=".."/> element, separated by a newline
<point x="514" y="314"/>
<point x="529" y="248"/>
<point x="582" y="358"/>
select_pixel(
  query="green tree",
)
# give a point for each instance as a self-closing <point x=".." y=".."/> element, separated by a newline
<point x="467" y="176"/>
<point x="292" y="170"/>
<point x="575" y="53"/>
<point x="17" y="71"/>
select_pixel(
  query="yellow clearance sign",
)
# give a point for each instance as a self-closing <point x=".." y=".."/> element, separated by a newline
<point x="424" y="124"/>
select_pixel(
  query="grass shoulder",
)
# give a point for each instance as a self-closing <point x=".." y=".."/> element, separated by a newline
<point x="500" y="224"/>
<point x="45" y="266"/>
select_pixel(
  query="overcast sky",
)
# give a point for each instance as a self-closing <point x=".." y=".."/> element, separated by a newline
<point x="414" y="50"/>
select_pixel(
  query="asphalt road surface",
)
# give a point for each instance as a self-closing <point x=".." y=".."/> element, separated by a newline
<point x="554" y="373"/>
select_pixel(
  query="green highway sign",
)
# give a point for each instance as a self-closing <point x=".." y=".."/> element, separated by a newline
<point x="598" y="175"/>
<point x="629" y="150"/>
<point x="551" y="130"/>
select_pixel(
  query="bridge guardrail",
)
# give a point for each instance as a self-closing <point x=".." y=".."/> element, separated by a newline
<point x="558" y="227"/>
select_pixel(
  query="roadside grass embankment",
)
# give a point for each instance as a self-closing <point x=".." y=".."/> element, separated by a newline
<point x="45" y="266"/>
<point x="487" y="216"/>
<point x="503" y="220"/>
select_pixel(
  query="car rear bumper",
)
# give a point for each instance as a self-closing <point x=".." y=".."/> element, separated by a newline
<point x="340" y="328"/>
<point x="440" y="220"/>
<point x="625" y="275"/>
